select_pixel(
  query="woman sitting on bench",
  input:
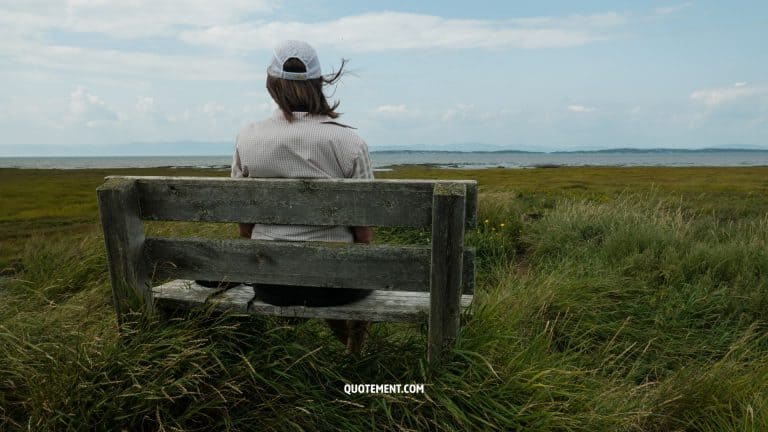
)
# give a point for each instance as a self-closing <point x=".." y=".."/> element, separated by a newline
<point x="302" y="140"/>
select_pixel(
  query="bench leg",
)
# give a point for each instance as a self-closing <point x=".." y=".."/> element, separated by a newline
<point x="447" y="257"/>
<point x="124" y="241"/>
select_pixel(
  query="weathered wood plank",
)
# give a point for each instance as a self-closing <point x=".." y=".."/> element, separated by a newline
<point x="186" y="294"/>
<point x="387" y="203"/>
<point x="389" y="306"/>
<point x="339" y="265"/>
<point x="181" y="294"/>
<point x="375" y="309"/>
<point x="445" y="280"/>
<point x="124" y="241"/>
<point x="235" y="299"/>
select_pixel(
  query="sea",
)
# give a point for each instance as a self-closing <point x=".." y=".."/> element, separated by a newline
<point x="384" y="160"/>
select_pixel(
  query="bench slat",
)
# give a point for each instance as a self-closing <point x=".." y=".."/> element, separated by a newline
<point x="385" y="203"/>
<point x="379" y="306"/>
<point x="340" y="265"/>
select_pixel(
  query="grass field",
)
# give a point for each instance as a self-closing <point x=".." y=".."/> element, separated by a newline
<point x="630" y="299"/>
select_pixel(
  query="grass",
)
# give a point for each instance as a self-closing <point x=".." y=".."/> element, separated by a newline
<point x="634" y="301"/>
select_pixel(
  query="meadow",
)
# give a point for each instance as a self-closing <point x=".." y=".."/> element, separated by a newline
<point x="608" y="299"/>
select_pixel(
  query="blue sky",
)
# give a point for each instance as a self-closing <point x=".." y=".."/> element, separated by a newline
<point x="97" y="77"/>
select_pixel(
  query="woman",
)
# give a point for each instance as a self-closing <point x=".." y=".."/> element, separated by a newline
<point x="302" y="140"/>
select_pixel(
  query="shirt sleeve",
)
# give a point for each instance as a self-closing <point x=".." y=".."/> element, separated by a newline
<point x="361" y="166"/>
<point x="237" y="167"/>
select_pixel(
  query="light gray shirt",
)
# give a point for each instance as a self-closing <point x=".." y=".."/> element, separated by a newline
<point x="309" y="147"/>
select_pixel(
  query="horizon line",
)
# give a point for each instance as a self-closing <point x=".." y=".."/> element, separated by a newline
<point x="404" y="150"/>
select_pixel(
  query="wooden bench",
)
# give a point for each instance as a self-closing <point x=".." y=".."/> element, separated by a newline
<point x="411" y="283"/>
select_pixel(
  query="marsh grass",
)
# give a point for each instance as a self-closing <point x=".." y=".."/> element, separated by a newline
<point x="639" y="310"/>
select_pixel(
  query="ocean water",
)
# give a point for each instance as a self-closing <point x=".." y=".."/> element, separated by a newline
<point x="382" y="160"/>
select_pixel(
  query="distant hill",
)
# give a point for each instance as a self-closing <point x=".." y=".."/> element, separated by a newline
<point x="669" y="150"/>
<point x="611" y="150"/>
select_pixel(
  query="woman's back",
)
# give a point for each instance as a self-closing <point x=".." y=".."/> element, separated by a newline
<point x="302" y="140"/>
<point x="310" y="146"/>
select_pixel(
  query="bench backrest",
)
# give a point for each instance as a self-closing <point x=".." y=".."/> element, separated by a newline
<point x="445" y="206"/>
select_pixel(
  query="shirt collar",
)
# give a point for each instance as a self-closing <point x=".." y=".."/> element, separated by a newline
<point x="278" y="114"/>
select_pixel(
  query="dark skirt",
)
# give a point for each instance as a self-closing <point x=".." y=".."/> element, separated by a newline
<point x="281" y="295"/>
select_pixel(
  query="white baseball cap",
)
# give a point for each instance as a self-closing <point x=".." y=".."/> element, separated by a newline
<point x="300" y="50"/>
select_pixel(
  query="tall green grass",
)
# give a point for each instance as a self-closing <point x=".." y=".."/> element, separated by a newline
<point x="638" y="314"/>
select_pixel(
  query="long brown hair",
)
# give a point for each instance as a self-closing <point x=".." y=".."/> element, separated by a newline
<point x="305" y="96"/>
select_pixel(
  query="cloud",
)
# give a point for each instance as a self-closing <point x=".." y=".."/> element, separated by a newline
<point x="145" y="105"/>
<point x="33" y="34"/>
<point x="607" y="19"/>
<point x="392" y="109"/>
<point x="103" y="62"/>
<point x="182" y="117"/>
<point x="387" y="31"/>
<point x="471" y="115"/>
<point x="212" y="109"/>
<point x="459" y="112"/>
<point x="580" y="109"/>
<point x="740" y="91"/>
<point x="90" y="109"/>
<point x="241" y="25"/>
<point x="126" y="19"/>
<point x="671" y="9"/>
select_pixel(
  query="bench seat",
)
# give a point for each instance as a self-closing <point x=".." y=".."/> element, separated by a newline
<point x="381" y="305"/>
<point x="431" y="283"/>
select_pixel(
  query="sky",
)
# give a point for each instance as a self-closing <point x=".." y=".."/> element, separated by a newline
<point x="166" y="77"/>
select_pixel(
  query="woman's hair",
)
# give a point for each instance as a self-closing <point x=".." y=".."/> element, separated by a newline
<point x="305" y="96"/>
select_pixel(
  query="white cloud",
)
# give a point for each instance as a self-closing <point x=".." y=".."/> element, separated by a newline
<point x="145" y="105"/>
<point x="724" y="95"/>
<point x="182" y="117"/>
<point x="384" y="31"/>
<point x="239" y="25"/>
<point x="126" y="19"/>
<point x="459" y="112"/>
<point x="471" y="115"/>
<point x="217" y="113"/>
<point x="102" y="62"/>
<point x="607" y="19"/>
<point x="212" y="109"/>
<point x="392" y="109"/>
<point x="671" y="9"/>
<point x="26" y="41"/>
<point x="580" y="109"/>
<point x="89" y="109"/>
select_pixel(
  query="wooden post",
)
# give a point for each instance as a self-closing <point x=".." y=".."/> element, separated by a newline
<point x="124" y="240"/>
<point x="448" y="208"/>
